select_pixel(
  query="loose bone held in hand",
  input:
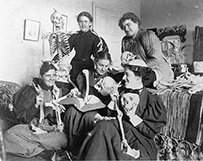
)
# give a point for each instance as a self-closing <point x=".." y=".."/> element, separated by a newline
<point x="56" y="108"/>
<point x="125" y="148"/>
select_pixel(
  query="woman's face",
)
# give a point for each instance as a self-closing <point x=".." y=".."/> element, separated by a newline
<point x="130" y="28"/>
<point x="131" y="80"/>
<point x="101" y="66"/>
<point x="49" y="77"/>
<point x="84" y="23"/>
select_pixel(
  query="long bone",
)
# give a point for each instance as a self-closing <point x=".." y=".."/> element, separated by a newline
<point x="57" y="109"/>
<point x="125" y="148"/>
<point x="86" y="73"/>
<point x="58" y="118"/>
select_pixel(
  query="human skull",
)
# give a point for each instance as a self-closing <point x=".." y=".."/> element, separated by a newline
<point x="105" y="85"/>
<point x="57" y="20"/>
<point x="129" y="101"/>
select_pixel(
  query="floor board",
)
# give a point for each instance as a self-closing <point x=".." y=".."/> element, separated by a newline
<point x="12" y="157"/>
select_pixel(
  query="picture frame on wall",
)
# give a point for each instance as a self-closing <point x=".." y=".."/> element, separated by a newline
<point x="31" y="30"/>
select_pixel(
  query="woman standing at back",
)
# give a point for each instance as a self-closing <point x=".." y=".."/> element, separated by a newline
<point x="141" y="44"/>
<point x="86" y="44"/>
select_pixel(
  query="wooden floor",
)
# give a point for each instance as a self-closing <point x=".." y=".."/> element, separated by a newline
<point x="11" y="157"/>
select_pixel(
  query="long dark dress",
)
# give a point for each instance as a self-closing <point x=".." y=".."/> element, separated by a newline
<point x="104" y="141"/>
<point x="77" y="123"/>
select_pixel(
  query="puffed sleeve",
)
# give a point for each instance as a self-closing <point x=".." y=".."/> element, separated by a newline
<point x="151" y="44"/>
<point x="154" y="117"/>
<point x="99" y="44"/>
<point x="72" y="40"/>
<point x="24" y="104"/>
<point x="123" y="45"/>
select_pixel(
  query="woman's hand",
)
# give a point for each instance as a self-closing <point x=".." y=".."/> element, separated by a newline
<point x="114" y="94"/>
<point x="55" y="106"/>
<point x="129" y="110"/>
<point x="126" y="57"/>
<point x="134" y="119"/>
<point x="74" y="92"/>
<point x="56" y="91"/>
<point x="60" y="127"/>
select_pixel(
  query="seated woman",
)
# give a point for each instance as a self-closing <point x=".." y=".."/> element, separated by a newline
<point x="140" y="125"/>
<point x="78" y="123"/>
<point x="39" y="133"/>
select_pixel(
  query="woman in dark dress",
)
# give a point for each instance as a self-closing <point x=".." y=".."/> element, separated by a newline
<point x="140" y="127"/>
<point x="44" y="137"/>
<point x="86" y="44"/>
<point x="78" y="123"/>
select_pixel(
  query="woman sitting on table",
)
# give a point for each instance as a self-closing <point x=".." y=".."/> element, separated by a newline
<point x="78" y="122"/>
<point x="38" y="132"/>
<point x="145" y="45"/>
<point x="140" y="125"/>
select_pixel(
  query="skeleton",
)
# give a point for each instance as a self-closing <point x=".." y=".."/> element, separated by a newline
<point x="55" y="105"/>
<point x="58" y="42"/>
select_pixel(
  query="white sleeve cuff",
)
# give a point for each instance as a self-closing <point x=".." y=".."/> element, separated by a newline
<point x="135" y="120"/>
<point x="111" y="105"/>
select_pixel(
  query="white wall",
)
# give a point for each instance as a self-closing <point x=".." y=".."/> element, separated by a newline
<point x="20" y="59"/>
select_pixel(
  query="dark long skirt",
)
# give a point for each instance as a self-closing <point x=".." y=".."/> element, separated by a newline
<point x="77" y="126"/>
<point x="104" y="143"/>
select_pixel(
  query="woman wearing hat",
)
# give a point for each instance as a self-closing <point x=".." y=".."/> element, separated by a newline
<point x="140" y="126"/>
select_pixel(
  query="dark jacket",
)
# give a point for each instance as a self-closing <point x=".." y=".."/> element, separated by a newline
<point x="24" y="101"/>
<point x="85" y="44"/>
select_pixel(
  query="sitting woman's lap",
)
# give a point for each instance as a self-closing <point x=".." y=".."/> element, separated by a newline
<point x="20" y="140"/>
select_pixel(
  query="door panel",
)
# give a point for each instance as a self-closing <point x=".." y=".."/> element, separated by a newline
<point x="106" y="25"/>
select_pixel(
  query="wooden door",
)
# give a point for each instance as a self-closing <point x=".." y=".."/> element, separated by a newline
<point x="106" y="25"/>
